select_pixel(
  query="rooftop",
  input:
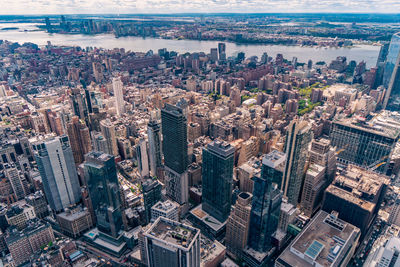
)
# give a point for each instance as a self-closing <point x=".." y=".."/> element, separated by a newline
<point x="274" y="159"/>
<point x="165" y="206"/>
<point x="324" y="242"/>
<point x="173" y="233"/>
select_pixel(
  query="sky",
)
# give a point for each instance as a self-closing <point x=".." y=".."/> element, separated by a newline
<point x="195" y="6"/>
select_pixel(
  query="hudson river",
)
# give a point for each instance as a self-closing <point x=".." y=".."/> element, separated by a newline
<point x="368" y="53"/>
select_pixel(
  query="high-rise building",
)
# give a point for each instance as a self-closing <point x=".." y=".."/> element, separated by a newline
<point x="17" y="182"/>
<point x="214" y="54"/>
<point x="357" y="195"/>
<point x="79" y="137"/>
<point x="57" y="169"/>
<point x="175" y="148"/>
<point x="170" y="243"/>
<point x="102" y="182"/>
<point x="391" y="75"/>
<point x="142" y="158"/>
<point x="217" y="179"/>
<point x="154" y="137"/>
<point x="366" y="143"/>
<point x="298" y="138"/>
<point x="151" y="195"/>
<point x="119" y="95"/>
<point x="238" y="224"/>
<point x="222" y="51"/>
<point x="265" y="209"/>
<point x="108" y="132"/>
<point x="78" y="104"/>
<point x="325" y="241"/>
<point x="313" y="189"/>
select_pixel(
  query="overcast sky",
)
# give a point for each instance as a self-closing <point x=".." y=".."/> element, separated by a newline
<point x="194" y="6"/>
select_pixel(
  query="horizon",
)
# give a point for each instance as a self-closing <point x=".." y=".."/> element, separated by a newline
<point x="77" y="7"/>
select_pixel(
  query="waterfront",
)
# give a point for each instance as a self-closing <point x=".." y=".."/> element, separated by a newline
<point x="368" y="53"/>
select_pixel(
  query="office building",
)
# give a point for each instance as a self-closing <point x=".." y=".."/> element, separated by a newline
<point x="57" y="169"/>
<point x="313" y="189"/>
<point x="238" y="224"/>
<point x="154" y="137"/>
<point x="387" y="255"/>
<point x="368" y="143"/>
<point x="108" y="132"/>
<point x="79" y="137"/>
<point x="167" y="209"/>
<point x="74" y="221"/>
<point x="17" y="182"/>
<point x="38" y="201"/>
<point x="170" y="243"/>
<point x="222" y="51"/>
<point x="357" y="195"/>
<point x="287" y="216"/>
<point x="119" y="95"/>
<point x="325" y="241"/>
<point x="175" y="149"/>
<point x="19" y="214"/>
<point x="22" y="244"/>
<point x="391" y="75"/>
<point x="151" y="189"/>
<point x="297" y="140"/>
<point x="142" y="158"/>
<point x="322" y="153"/>
<point x="78" y="104"/>
<point x="265" y="209"/>
<point x="102" y="181"/>
<point x="217" y="179"/>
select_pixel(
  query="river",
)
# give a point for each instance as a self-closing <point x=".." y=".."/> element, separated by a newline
<point x="368" y="53"/>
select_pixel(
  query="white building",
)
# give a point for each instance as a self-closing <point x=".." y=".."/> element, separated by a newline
<point x="167" y="209"/>
<point x="118" y="94"/>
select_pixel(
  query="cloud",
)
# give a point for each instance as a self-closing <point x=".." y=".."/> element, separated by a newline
<point x="193" y="6"/>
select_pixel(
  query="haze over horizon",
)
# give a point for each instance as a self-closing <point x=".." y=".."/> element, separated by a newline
<point x="41" y="7"/>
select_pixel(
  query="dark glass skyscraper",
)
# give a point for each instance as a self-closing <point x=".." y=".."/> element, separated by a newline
<point x="265" y="209"/>
<point x="102" y="181"/>
<point x="391" y="75"/>
<point x="174" y="130"/>
<point x="217" y="172"/>
<point x="175" y="148"/>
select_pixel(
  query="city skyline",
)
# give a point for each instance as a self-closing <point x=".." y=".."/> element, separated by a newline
<point x="197" y="6"/>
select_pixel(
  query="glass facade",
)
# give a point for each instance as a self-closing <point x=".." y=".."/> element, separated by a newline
<point x="174" y="130"/>
<point x="102" y="181"/>
<point x="265" y="210"/>
<point x="391" y="75"/>
<point x="217" y="172"/>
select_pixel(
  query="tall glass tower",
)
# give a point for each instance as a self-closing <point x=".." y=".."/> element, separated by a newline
<point x="102" y="182"/>
<point x="391" y="75"/>
<point x="175" y="148"/>
<point x="267" y="199"/>
<point x="217" y="172"/>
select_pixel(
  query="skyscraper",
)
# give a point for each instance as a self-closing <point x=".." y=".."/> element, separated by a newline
<point x="119" y="97"/>
<point x="265" y="209"/>
<point x="222" y="51"/>
<point x="78" y="104"/>
<point x="169" y="243"/>
<point x="142" y="158"/>
<point x="79" y="137"/>
<point x="57" y="169"/>
<point x="102" y="181"/>
<point x="391" y="75"/>
<point x="154" y="137"/>
<point x="217" y="179"/>
<point x="108" y="132"/>
<point x="175" y="148"/>
<point x="298" y="137"/>
<point x="238" y="224"/>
